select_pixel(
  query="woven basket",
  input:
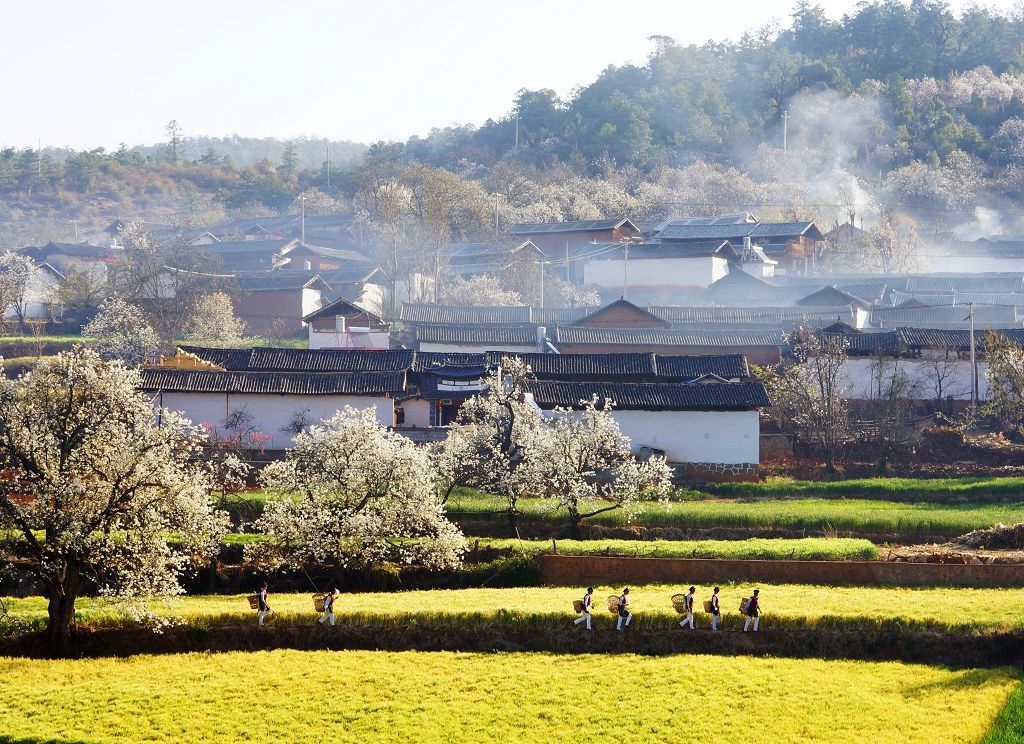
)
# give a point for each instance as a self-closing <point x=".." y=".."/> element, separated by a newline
<point x="613" y="604"/>
<point x="679" y="602"/>
<point x="743" y="605"/>
<point x="318" y="602"/>
<point x="708" y="607"/>
<point x="577" y="605"/>
<point x="254" y="601"/>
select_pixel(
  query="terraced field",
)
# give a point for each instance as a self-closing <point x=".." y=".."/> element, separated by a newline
<point x="360" y="696"/>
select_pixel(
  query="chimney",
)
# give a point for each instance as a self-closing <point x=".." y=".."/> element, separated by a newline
<point x="542" y="333"/>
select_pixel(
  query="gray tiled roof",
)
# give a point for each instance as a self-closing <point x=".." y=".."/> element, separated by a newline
<point x="1001" y="283"/>
<point x="652" y="396"/>
<point x="752" y="315"/>
<point x="663" y="337"/>
<point x="279" y="383"/>
<point x="506" y="335"/>
<point x="463" y="315"/>
<point x="535" y="228"/>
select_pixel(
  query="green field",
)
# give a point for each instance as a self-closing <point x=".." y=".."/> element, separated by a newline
<point x="793" y="606"/>
<point x="889" y="489"/>
<point x="807" y="549"/>
<point x="814" y="515"/>
<point x="368" y="696"/>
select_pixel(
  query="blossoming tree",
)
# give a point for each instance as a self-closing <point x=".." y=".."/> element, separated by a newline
<point x="584" y="461"/>
<point x="91" y="489"/>
<point x="352" y="493"/>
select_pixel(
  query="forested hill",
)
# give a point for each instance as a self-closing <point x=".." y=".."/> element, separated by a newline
<point x="942" y="82"/>
<point x="896" y="106"/>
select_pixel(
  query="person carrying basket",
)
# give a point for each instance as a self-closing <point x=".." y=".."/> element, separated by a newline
<point x="328" y="607"/>
<point x="753" y="611"/>
<point x="583" y="607"/>
<point x="624" y="613"/>
<point x="715" y="610"/>
<point x="688" y="604"/>
<point x="264" y="608"/>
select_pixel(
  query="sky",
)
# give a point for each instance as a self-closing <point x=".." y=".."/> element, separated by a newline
<point x="97" y="73"/>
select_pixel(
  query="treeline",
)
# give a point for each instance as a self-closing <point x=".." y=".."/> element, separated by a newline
<point x="894" y="108"/>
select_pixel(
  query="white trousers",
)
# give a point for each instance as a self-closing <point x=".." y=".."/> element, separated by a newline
<point x="687" y="620"/>
<point x="714" y="621"/>
<point x="263" y="615"/>
<point x="629" y="616"/>
<point x="583" y="618"/>
<point x="329" y="615"/>
<point x="756" y="620"/>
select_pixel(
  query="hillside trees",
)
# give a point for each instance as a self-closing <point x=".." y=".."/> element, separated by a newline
<point x="94" y="489"/>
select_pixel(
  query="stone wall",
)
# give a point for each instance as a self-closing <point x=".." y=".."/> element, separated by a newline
<point x="583" y="570"/>
<point x="717" y="472"/>
<point x="776" y="447"/>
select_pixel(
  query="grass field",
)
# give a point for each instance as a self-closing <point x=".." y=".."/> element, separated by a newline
<point x="437" y="697"/>
<point x="890" y="489"/>
<point x="863" y="515"/>
<point x="808" y="549"/>
<point x="785" y="606"/>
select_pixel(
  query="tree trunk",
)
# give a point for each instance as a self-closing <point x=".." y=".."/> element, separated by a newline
<point x="576" y="527"/>
<point x="513" y="522"/>
<point x="61" y="609"/>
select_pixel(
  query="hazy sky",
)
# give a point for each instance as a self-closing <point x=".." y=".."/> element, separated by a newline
<point x="101" y="72"/>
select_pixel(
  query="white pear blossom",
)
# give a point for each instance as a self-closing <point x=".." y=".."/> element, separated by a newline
<point x="94" y="492"/>
<point x="352" y="492"/>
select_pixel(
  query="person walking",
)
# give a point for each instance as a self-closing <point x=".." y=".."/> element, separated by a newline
<point x="328" y="607"/>
<point x="585" y="612"/>
<point x="688" y="603"/>
<point x="753" y="611"/>
<point x="716" y="612"/>
<point x="624" y="613"/>
<point x="264" y="607"/>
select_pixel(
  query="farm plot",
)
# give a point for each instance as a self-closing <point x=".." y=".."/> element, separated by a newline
<point x="807" y="549"/>
<point x="428" y="697"/>
<point x="813" y="515"/>
<point x="785" y="606"/>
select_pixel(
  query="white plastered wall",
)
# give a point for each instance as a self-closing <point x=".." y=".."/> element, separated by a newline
<point x="729" y="437"/>
<point x="272" y="414"/>
<point x="657" y="272"/>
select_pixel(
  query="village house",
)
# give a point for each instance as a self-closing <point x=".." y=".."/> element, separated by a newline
<point x="700" y="412"/>
<point x="574" y="243"/>
<point x="659" y="269"/>
<point x="274" y="304"/>
<point x="342" y="324"/>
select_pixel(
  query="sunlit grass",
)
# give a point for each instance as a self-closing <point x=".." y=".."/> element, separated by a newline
<point x="795" y="606"/>
<point x="367" y="696"/>
<point x="896" y="489"/>
<point x="863" y="515"/>
<point x="810" y="548"/>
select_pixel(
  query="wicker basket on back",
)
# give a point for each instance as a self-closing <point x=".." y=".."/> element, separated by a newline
<point x="254" y="601"/>
<point x="708" y="607"/>
<point x="577" y="605"/>
<point x="318" y="602"/>
<point x="679" y="602"/>
<point x="613" y="604"/>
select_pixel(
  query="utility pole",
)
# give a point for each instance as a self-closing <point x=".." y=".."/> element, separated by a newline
<point x="517" y="132"/>
<point x="567" y="279"/>
<point x="302" y="206"/>
<point x="625" y="273"/>
<point x="541" y="264"/>
<point x="328" y="166"/>
<point x="974" y="363"/>
<point x="785" y="130"/>
<point x="75" y="223"/>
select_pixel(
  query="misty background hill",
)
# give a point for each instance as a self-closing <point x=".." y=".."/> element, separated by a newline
<point x="895" y="110"/>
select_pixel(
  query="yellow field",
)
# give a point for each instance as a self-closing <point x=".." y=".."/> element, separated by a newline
<point x="367" y="696"/>
<point x="959" y="609"/>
